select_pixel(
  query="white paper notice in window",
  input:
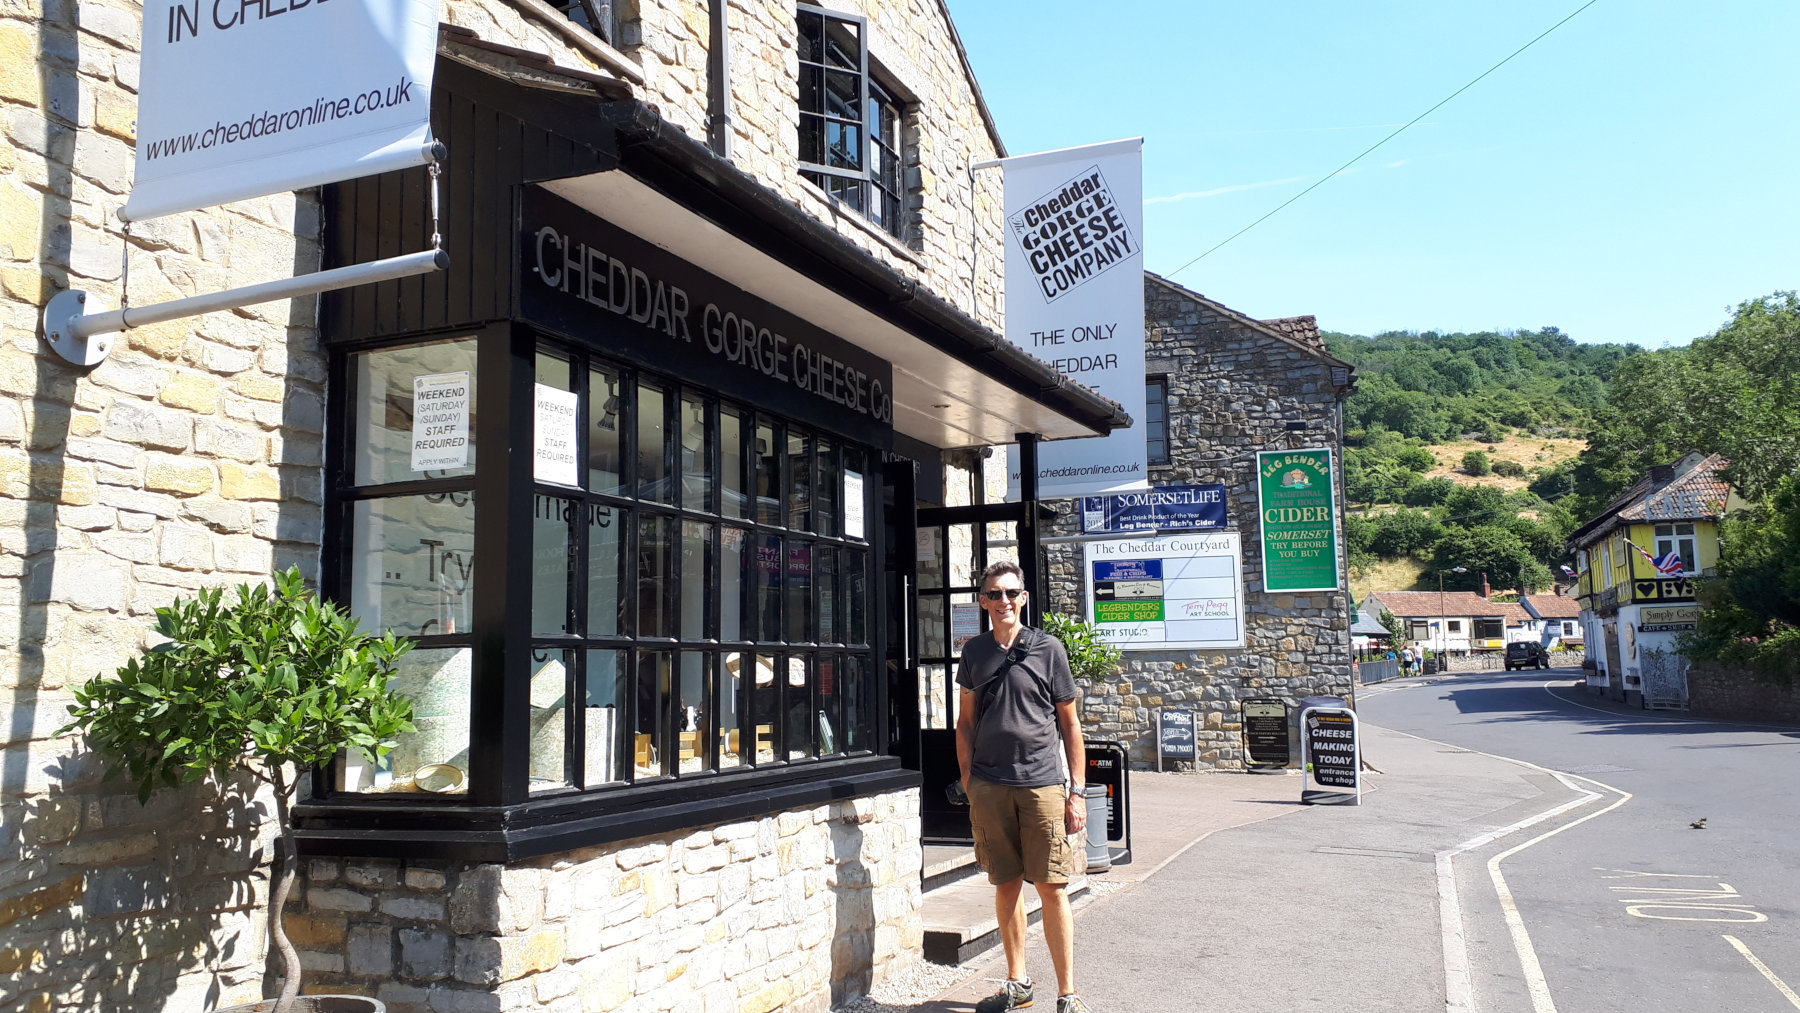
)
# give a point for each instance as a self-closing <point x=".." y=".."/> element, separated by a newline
<point x="553" y="446"/>
<point x="440" y="425"/>
<point x="853" y="505"/>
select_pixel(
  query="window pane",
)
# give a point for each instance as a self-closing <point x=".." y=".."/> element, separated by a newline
<point x="731" y="462"/>
<point x="825" y="513"/>
<point x="934" y="707"/>
<point x="765" y="708"/>
<point x="963" y="568"/>
<point x="388" y="385"/>
<point x="843" y="43"/>
<point x="859" y="705"/>
<point x="825" y="580"/>
<point x="812" y="91"/>
<point x="843" y="145"/>
<point x="768" y="587"/>
<point x="552" y="564"/>
<point x="830" y="712"/>
<point x="655" y="670"/>
<point x="768" y="476"/>
<point x="411" y="560"/>
<point x="729" y="697"/>
<point x="797" y="734"/>
<point x="691" y="718"/>
<point x="812" y="36"/>
<point x="799" y="464"/>
<point x="603" y="744"/>
<point x="799" y="592"/>
<point x="696" y="544"/>
<point x="605" y="460"/>
<point x="652" y="462"/>
<point x="812" y="144"/>
<point x="856" y="595"/>
<point x="553" y="370"/>
<point x="437" y="682"/>
<point x="843" y="96"/>
<point x="606" y="548"/>
<point x="549" y="719"/>
<point x="655" y="573"/>
<point x="931" y="557"/>
<point x="933" y="641"/>
<point x="732" y="567"/>
<point x="696" y="458"/>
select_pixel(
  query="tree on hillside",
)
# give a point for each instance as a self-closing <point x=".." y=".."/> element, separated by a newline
<point x="1475" y="462"/>
<point x="1404" y="533"/>
<point x="1750" y="614"/>
<point x="1736" y="392"/>
<point x="1475" y="505"/>
<point x="1490" y="549"/>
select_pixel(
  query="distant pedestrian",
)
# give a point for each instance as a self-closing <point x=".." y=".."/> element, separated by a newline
<point x="1406" y="660"/>
<point x="1014" y="733"/>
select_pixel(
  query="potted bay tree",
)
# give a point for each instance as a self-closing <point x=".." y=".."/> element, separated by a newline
<point x="273" y="683"/>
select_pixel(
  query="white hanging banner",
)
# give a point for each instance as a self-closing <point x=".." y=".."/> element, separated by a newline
<point x="243" y="98"/>
<point x="1075" y="298"/>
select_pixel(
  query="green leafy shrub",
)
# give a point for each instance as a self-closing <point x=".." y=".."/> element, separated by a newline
<point x="1475" y="462"/>
<point x="1090" y="658"/>
<point x="1509" y="469"/>
<point x="274" y="679"/>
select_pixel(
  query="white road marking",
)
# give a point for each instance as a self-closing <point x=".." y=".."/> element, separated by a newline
<point x="1515" y="922"/>
<point x="1780" y="986"/>
<point x="1459" y="992"/>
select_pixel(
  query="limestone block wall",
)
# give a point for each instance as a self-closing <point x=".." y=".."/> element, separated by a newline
<point x="189" y="458"/>
<point x="1717" y="691"/>
<point x="1233" y="390"/>
<point x="799" y="911"/>
<point x="954" y="244"/>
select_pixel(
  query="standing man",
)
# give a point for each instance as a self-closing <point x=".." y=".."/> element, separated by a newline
<point x="1406" y="660"/>
<point x="1015" y="730"/>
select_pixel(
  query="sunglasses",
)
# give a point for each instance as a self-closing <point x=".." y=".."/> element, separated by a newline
<point x="1009" y="593"/>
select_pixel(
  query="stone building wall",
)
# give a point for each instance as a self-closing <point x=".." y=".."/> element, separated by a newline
<point x="1234" y="386"/>
<point x="192" y="457"/>
<point x="797" y="911"/>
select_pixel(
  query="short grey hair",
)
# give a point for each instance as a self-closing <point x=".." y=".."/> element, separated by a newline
<point x="999" y="567"/>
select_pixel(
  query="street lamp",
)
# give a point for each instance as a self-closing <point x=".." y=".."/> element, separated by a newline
<point x="1444" y="620"/>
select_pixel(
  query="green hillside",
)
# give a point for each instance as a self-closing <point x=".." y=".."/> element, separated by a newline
<point x="1460" y="451"/>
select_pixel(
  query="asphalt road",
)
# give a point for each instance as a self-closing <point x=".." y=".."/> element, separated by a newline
<point x="1619" y="903"/>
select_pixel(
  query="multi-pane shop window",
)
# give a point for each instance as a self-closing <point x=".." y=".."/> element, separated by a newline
<point x="1156" y="421"/>
<point x="698" y="574"/>
<point x="852" y="133"/>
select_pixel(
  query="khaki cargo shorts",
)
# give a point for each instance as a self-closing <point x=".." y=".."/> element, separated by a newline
<point x="1021" y="832"/>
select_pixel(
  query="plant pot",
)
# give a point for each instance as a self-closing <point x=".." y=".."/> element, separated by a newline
<point x="315" y="1004"/>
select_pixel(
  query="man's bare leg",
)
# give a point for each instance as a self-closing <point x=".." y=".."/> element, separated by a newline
<point x="1059" y="934"/>
<point x="1009" y="911"/>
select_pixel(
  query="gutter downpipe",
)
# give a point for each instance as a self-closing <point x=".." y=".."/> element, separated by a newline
<point x="718" y="79"/>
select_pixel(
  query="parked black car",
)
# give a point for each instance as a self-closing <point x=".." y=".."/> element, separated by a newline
<point x="1525" y="654"/>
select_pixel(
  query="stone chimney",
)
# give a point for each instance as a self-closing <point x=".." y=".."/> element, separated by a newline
<point x="1661" y="474"/>
<point x="1485" y="590"/>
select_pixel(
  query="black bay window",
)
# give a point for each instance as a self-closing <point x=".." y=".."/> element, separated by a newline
<point x="699" y="574"/>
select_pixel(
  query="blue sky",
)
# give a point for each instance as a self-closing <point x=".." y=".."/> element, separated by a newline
<point x="1629" y="178"/>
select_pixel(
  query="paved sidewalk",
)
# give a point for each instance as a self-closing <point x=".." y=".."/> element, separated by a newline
<point x="1170" y="813"/>
<point x="1332" y="907"/>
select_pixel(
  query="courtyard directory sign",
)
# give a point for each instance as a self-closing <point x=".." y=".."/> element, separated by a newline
<point x="1297" y="509"/>
<point x="1170" y="592"/>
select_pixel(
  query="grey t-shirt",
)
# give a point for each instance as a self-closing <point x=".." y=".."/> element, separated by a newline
<point x="1017" y="741"/>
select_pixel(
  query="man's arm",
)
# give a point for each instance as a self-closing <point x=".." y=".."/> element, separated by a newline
<point x="1075" y="812"/>
<point x="965" y="734"/>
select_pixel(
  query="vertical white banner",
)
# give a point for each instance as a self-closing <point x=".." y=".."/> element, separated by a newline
<point x="1075" y="298"/>
<point x="242" y="98"/>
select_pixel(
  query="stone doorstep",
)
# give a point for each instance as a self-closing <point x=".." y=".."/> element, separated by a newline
<point x="959" y="914"/>
<point x="947" y="863"/>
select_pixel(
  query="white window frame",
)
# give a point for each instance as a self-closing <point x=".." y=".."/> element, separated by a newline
<point x="1679" y="538"/>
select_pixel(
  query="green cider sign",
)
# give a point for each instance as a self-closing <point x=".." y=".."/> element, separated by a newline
<point x="1299" y="520"/>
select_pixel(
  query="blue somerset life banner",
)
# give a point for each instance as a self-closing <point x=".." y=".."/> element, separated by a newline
<point x="1165" y="508"/>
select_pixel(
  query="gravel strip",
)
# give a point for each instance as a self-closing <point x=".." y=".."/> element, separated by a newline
<point x="905" y="991"/>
